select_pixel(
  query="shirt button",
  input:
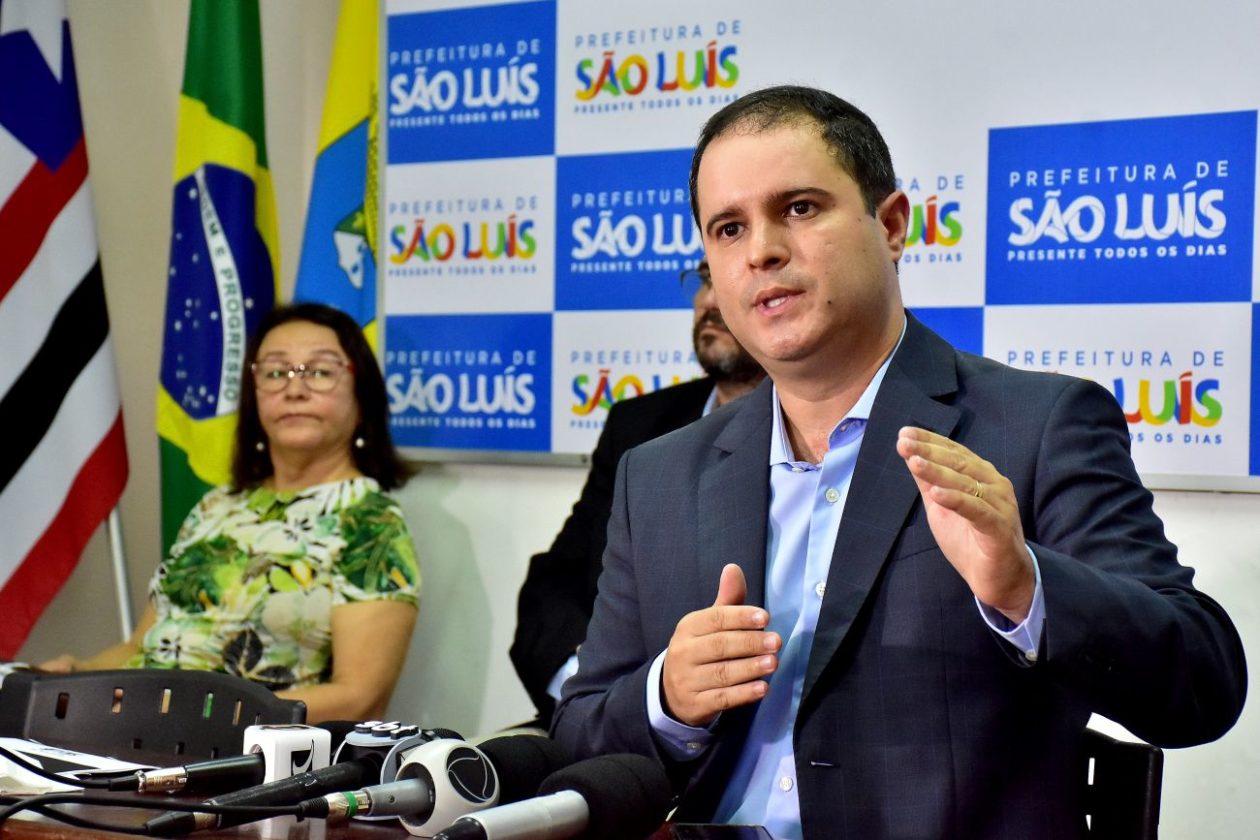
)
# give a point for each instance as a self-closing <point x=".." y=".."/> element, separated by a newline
<point x="821" y="588"/>
<point x="797" y="469"/>
<point x="1030" y="655"/>
<point x="693" y="746"/>
<point x="832" y="495"/>
<point x="785" y="783"/>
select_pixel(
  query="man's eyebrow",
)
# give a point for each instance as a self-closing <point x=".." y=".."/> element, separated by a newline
<point x="787" y="196"/>
<point x="720" y="216"/>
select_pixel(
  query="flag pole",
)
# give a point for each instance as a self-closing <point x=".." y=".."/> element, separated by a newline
<point x="122" y="583"/>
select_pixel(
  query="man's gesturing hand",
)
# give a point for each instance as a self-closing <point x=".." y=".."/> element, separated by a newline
<point x="972" y="512"/>
<point x="719" y="656"/>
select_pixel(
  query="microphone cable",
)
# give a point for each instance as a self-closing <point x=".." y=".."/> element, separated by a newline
<point x="99" y="783"/>
<point x="43" y="805"/>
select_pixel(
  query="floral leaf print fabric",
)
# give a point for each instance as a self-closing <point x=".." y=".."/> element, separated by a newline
<point x="252" y="580"/>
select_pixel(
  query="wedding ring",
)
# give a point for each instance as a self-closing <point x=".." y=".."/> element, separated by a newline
<point x="978" y="492"/>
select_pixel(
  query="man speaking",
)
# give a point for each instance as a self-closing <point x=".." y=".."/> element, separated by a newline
<point x="882" y="595"/>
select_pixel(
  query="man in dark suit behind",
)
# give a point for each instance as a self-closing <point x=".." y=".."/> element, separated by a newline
<point x="555" y="601"/>
<point x="930" y="569"/>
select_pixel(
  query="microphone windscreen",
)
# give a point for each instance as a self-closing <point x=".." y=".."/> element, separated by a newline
<point x="522" y="762"/>
<point x="628" y="795"/>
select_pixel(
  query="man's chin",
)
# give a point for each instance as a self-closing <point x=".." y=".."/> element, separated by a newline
<point x="729" y="367"/>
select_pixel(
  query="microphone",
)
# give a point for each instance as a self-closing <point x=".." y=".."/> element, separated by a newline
<point x="523" y="762"/>
<point x="365" y="750"/>
<point x="384" y="746"/>
<point x="369" y="761"/>
<point x="200" y="776"/>
<point x="272" y="751"/>
<point x="391" y="799"/>
<point x="517" y="764"/>
<point x="614" y="797"/>
<point x="442" y="780"/>
<point x="350" y="774"/>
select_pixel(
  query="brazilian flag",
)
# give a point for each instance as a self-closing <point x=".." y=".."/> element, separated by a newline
<point x="338" y="264"/>
<point x="224" y="268"/>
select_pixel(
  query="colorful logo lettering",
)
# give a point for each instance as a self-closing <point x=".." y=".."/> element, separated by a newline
<point x="511" y="238"/>
<point x="682" y="70"/>
<point x="606" y="393"/>
<point x="1181" y="401"/>
<point x="935" y="225"/>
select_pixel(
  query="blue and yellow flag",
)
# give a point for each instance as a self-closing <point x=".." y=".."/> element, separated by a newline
<point x="338" y="265"/>
<point x="224" y="253"/>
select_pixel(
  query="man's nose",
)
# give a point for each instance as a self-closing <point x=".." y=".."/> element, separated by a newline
<point x="768" y="245"/>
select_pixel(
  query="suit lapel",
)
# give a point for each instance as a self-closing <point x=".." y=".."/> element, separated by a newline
<point x="734" y="496"/>
<point x="882" y="492"/>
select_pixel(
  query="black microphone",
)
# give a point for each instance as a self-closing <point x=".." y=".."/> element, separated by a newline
<point x="614" y="797"/>
<point x="347" y="775"/>
<point x="392" y="799"/>
<point x="355" y="767"/>
<point x="221" y="774"/>
<point x="443" y="780"/>
<point x="199" y="776"/>
<point x="523" y="762"/>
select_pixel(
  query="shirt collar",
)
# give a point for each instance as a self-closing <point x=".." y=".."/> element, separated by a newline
<point x="711" y="402"/>
<point x="781" y="450"/>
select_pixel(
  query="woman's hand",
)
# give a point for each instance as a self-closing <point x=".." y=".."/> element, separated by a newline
<point x="64" y="664"/>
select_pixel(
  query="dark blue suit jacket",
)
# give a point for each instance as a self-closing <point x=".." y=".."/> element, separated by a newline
<point x="556" y="599"/>
<point x="917" y="721"/>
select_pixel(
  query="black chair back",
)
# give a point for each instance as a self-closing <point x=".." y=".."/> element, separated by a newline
<point x="195" y="715"/>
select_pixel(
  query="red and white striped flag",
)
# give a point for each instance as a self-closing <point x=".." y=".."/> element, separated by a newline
<point x="63" y="461"/>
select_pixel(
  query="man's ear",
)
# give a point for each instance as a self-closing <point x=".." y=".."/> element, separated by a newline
<point x="893" y="214"/>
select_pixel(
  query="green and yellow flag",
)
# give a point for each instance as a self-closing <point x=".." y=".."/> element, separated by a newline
<point x="338" y="264"/>
<point x="224" y="267"/>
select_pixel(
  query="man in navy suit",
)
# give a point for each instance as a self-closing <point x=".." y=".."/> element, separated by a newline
<point x="930" y="569"/>
<point x="555" y="601"/>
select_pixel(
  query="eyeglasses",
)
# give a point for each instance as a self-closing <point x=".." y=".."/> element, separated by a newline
<point x="320" y="375"/>
<point x="693" y="280"/>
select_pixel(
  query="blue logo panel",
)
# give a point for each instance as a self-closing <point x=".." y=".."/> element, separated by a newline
<point x="961" y="326"/>
<point x="1255" y="389"/>
<point x="472" y="83"/>
<point x="474" y="382"/>
<point x="1133" y="211"/>
<point x="624" y="231"/>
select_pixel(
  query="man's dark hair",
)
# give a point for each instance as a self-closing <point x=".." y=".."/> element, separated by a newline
<point x="377" y="458"/>
<point x="849" y="133"/>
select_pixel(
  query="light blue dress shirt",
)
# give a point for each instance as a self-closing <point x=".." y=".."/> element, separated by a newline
<point x="806" y="504"/>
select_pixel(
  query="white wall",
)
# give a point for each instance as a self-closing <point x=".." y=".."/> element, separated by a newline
<point x="475" y="526"/>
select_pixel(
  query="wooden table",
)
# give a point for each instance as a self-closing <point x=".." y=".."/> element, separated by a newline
<point x="34" y="827"/>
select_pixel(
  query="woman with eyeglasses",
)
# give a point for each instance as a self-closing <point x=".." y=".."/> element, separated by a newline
<point x="301" y="574"/>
